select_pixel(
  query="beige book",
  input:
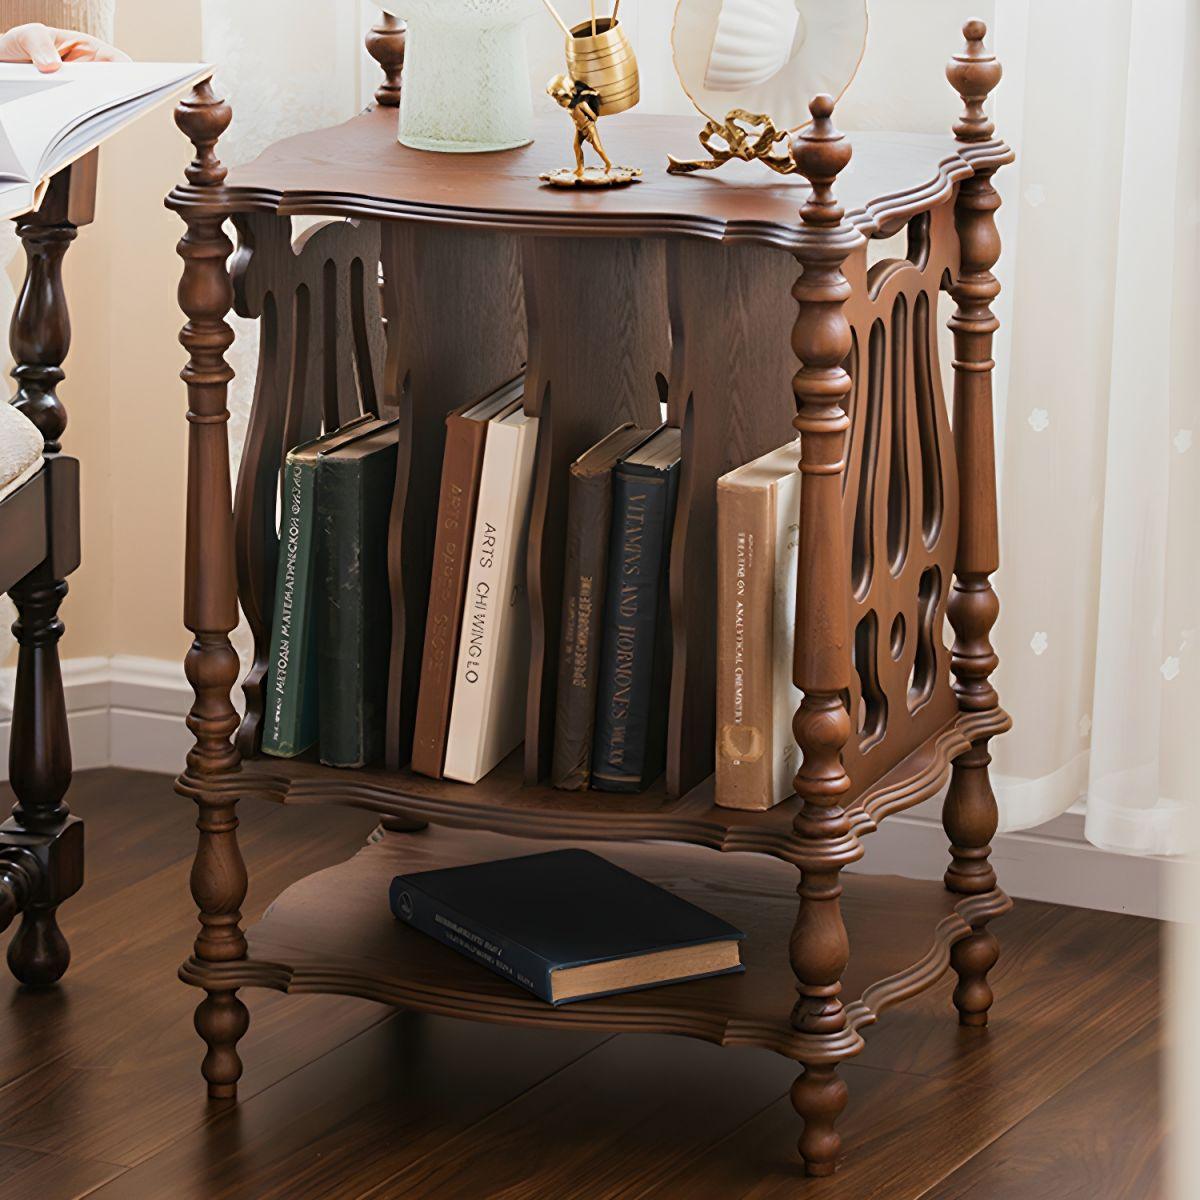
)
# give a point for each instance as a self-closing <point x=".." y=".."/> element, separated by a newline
<point x="487" y="712"/>
<point x="758" y="515"/>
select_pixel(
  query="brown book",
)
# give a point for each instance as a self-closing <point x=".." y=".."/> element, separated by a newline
<point x="589" y="516"/>
<point x="758" y="513"/>
<point x="466" y="432"/>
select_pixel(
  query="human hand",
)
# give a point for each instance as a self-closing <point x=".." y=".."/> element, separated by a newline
<point x="49" y="48"/>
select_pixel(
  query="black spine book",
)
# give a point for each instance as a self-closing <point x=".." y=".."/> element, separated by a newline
<point x="354" y="620"/>
<point x="630" y="742"/>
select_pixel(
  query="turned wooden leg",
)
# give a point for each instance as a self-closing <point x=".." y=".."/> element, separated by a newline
<point x="218" y="878"/>
<point x="819" y="1095"/>
<point x="824" y="840"/>
<point x="969" y="817"/>
<point x="41" y="846"/>
<point x="969" y="813"/>
<point x="221" y="1020"/>
<point x="40" y="771"/>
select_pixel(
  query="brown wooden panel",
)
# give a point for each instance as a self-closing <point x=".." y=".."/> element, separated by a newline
<point x="731" y="393"/>
<point x="23" y="530"/>
<point x="455" y="331"/>
<point x="320" y="364"/>
<point x="598" y="337"/>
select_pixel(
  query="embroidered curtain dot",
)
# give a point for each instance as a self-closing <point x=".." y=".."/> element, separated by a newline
<point x="1099" y="637"/>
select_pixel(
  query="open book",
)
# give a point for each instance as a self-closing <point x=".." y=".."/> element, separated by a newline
<point x="48" y="121"/>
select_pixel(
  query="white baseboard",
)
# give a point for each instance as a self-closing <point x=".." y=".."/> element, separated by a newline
<point x="123" y="711"/>
<point x="127" y="711"/>
<point x="1053" y="862"/>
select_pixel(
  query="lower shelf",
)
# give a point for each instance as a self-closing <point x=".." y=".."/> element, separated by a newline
<point x="333" y="932"/>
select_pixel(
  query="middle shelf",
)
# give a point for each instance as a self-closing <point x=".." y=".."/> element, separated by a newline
<point x="502" y="802"/>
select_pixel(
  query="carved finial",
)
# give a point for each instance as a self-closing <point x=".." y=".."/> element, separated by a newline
<point x="203" y="118"/>
<point x="973" y="74"/>
<point x="820" y="153"/>
<point x="385" y="44"/>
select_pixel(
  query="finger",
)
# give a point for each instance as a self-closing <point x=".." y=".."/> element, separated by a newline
<point x="107" y="53"/>
<point x="37" y="42"/>
<point x="82" y="47"/>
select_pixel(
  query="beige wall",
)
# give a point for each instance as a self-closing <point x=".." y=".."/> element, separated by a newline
<point x="122" y="391"/>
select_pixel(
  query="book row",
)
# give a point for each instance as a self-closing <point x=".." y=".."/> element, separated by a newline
<point x="327" y="679"/>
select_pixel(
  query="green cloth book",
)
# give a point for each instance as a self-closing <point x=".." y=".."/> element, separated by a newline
<point x="290" y="696"/>
<point x="355" y="481"/>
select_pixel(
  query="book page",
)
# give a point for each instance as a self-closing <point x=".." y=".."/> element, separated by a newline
<point x="48" y="121"/>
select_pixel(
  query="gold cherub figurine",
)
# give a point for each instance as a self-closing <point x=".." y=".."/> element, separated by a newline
<point x="583" y="103"/>
<point x="601" y="79"/>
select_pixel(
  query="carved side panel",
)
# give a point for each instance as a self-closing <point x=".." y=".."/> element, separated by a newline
<point x="900" y="500"/>
<point x="320" y="364"/>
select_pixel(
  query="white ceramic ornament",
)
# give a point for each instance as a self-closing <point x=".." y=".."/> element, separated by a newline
<point x="766" y="56"/>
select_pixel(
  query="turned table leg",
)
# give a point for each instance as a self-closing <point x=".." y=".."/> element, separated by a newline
<point x="218" y="877"/>
<point x="821" y="339"/>
<point x="969" y="814"/>
<point x="41" y="846"/>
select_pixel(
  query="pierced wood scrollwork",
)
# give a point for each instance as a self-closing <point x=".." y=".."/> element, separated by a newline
<point x="320" y="364"/>
<point x="900" y="493"/>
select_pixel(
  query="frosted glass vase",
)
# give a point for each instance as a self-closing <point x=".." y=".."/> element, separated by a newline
<point x="466" y="79"/>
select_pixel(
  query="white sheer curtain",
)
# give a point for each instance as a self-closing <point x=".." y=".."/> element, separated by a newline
<point x="1098" y="408"/>
<point x="1100" y="586"/>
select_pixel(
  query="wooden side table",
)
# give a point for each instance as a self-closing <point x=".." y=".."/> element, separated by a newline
<point x="676" y="290"/>
<point x="41" y="844"/>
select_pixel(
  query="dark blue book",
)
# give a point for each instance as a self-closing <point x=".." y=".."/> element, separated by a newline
<point x="629" y="750"/>
<point x="567" y="925"/>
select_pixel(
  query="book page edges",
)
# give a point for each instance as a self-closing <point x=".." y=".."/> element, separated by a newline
<point x="644" y="970"/>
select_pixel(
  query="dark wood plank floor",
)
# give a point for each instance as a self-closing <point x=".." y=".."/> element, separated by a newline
<point x="100" y="1091"/>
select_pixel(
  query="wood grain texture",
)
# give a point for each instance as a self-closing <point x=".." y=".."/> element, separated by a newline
<point x="455" y="332"/>
<point x="884" y="527"/>
<point x="340" y="1098"/>
<point x="819" y="947"/>
<point x="1115" y="1154"/>
<point x="598" y="337"/>
<point x="320" y="365"/>
<point x="730" y="392"/>
<point x="218" y="878"/>
<point x="335" y="933"/>
<point x="359" y="169"/>
<point x="503" y="803"/>
<point x="970" y="814"/>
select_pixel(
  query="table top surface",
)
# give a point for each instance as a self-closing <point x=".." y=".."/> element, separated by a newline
<point x="359" y="169"/>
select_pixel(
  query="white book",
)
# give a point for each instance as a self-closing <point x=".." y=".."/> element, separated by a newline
<point x="758" y="539"/>
<point x="47" y="121"/>
<point x="487" y="713"/>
